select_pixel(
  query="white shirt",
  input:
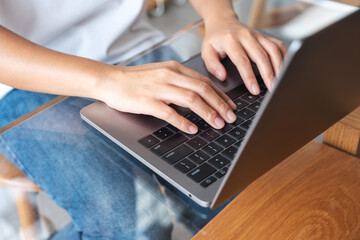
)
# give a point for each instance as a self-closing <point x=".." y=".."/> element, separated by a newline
<point x="104" y="30"/>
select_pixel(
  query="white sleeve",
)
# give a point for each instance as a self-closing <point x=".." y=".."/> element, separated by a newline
<point x="4" y="89"/>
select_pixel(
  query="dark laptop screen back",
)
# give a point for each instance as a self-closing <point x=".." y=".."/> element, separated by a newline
<point x="320" y="86"/>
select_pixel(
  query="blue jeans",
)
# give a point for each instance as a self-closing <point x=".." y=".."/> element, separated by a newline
<point x="107" y="193"/>
<point x="18" y="102"/>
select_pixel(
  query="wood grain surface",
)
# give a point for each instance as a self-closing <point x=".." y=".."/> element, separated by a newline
<point x="313" y="194"/>
<point x="345" y="134"/>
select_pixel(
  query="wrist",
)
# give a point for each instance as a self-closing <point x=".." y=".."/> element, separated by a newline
<point x="102" y="76"/>
<point x="220" y="19"/>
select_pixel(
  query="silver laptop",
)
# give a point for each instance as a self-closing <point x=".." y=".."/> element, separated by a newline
<point x="318" y="85"/>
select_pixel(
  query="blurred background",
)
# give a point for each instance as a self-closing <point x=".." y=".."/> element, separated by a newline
<point x="169" y="17"/>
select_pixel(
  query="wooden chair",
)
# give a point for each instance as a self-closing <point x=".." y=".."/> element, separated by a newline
<point x="24" y="189"/>
<point x="25" y="194"/>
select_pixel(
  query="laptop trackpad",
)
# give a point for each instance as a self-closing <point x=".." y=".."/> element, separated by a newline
<point x="233" y="77"/>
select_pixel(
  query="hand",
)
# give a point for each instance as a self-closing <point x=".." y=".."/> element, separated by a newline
<point x="148" y="89"/>
<point x="229" y="37"/>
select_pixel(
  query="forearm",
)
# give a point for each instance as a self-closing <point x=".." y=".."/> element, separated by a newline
<point x="28" y="66"/>
<point x="214" y="10"/>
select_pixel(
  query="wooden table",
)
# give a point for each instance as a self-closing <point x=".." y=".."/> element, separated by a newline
<point x="313" y="194"/>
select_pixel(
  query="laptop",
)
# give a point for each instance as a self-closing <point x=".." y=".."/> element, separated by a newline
<point x="318" y="85"/>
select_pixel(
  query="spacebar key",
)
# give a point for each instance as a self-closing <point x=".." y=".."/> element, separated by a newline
<point x="168" y="144"/>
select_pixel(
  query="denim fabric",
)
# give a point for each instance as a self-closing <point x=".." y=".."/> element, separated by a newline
<point x="18" y="102"/>
<point x="107" y="193"/>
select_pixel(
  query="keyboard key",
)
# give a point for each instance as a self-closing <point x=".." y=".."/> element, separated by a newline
<point x="246" y="124"/>
<point x="163" y="133"/>
<point x="202" y="172"/>
<point x="240" y="103"/>
<point x="263" y="90"/>
<point x="226" y="128"/>
<point x="202" y="125"/>
<point x="218" y="161"/>
<point x="225" y="140"/>
<point x="192" y="117"/>
<point x="209" y="135"/>
<point x="199" y="157"/>
<point x="196" y="143"/>
<point x="230" y="152"/>
<point x="237" y="133"/>
<point x="245" y="113"/>
<point x="238" y="143"/>
<point x="184" y="166"/>
<point x="168" y="144"/>
<point x="176" y="154"/>
<point x="237" y="92"/>
<point x="172" y="128"/>
<point x="250" y="98"/>
<point x="208" y="181"/>
<point x="149" y="141"/>
<point x="255" y="106"/>
<point x="221" y="172"/>
<point x="237" y="121"/>
<point x="212" y="149"/>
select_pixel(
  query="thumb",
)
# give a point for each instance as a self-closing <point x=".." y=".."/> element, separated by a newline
<point x="212" y="62"/>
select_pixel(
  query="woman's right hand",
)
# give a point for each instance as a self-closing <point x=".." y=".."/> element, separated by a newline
<point x="149" y="88"/>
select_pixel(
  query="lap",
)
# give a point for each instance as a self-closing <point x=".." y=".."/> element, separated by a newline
<point x="105" y="194"/>
<point x="18" y="102"/>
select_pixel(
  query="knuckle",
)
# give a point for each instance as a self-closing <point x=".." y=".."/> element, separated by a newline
<point x="262" y="57"/>
<point x="211" y="115"/>
<point x="273" y="48"/>
<point x="229" y="36"/>
<point x="205" y="89"/>
<point x="270" y="75"/>
<point x="182" y="123"/>
<point x="250" y="78"/>
<point x="223" y="107"/>
<point x="167" y="113"/>
<point x="247" y="33"/>
<point x="242" y="59"/>
<point x="282" y="45"/>
<point x="173" y="63"/>
<point x="191" y="97"/>
<point x="163" y="72"/>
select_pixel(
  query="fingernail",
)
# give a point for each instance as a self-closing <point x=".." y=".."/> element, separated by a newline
<point x="255" y="88"/>
<point x="192" y="129"/>
<point x="219" y="74"/>
<point x="231" y="116"/>
<point x="219" y="122"/>
<point x="231" y="104"/>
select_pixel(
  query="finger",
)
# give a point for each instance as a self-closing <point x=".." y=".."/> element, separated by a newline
<point x="281" y="45"/>
<point x="273" y="52"/>
<point x="239" y="57"/>
<point x="190" y="99"/>
<point x="162" y="111"/>
<point x="193" y="74"/>
<point x="258" y="55"/>
<point x="208" y="95"/>
<point x="212" y="62"/>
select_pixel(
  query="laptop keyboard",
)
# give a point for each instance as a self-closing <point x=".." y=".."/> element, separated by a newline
<point x="207" y="155"/>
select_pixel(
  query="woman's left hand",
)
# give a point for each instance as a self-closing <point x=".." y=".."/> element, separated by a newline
<point x="229" y="37"/>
